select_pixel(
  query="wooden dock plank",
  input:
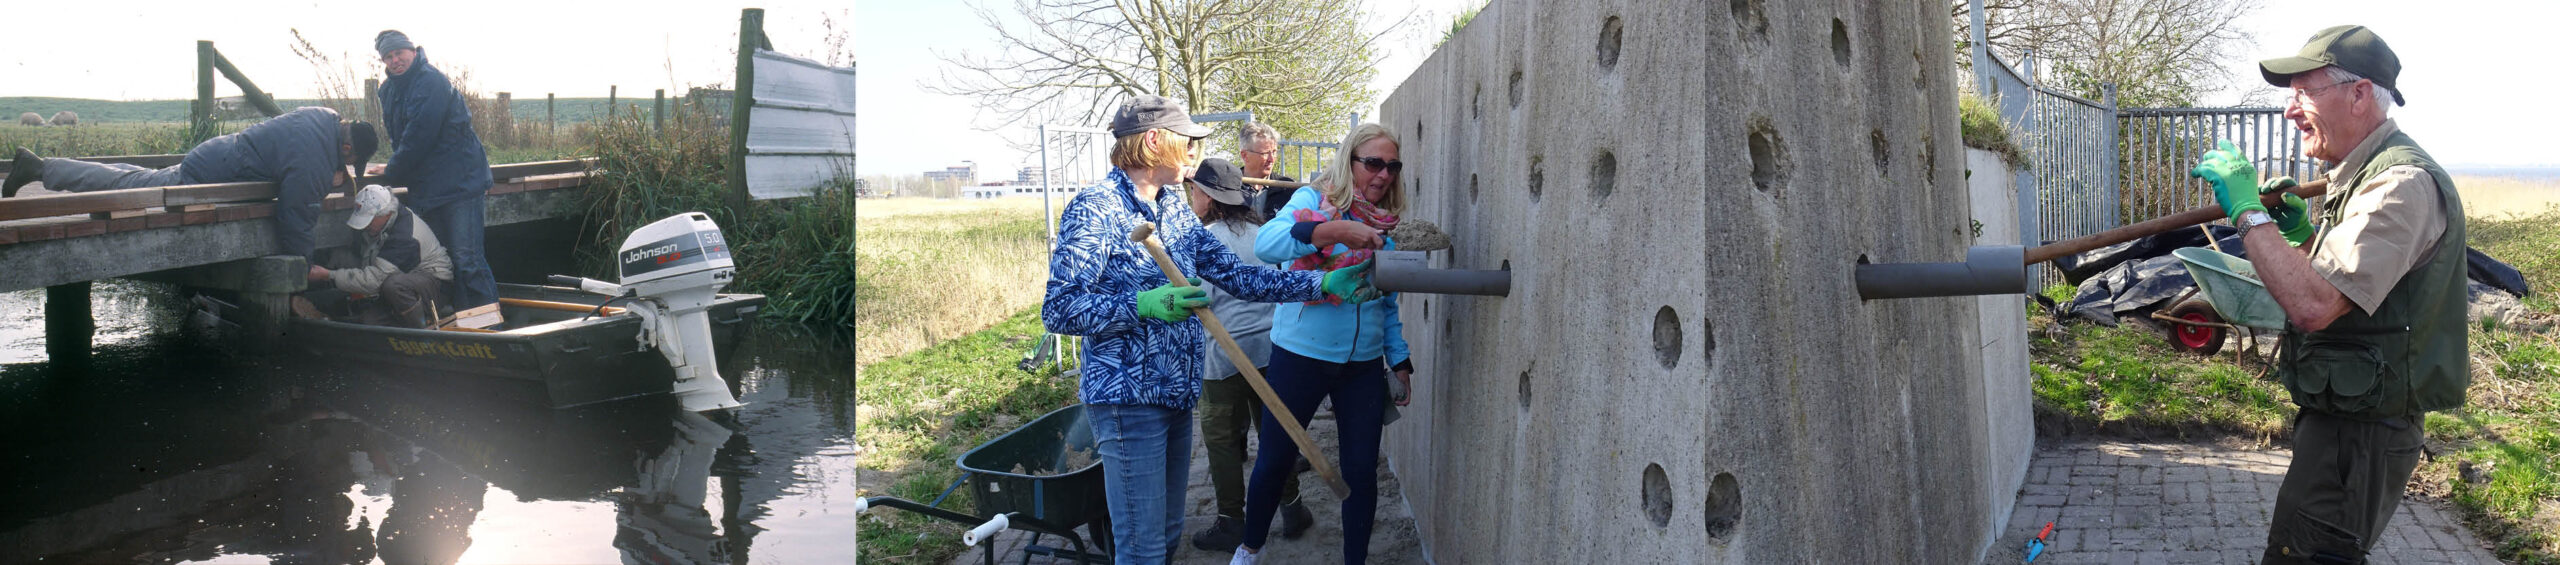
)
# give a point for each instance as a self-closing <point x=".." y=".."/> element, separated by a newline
<point x="78" y="203"/>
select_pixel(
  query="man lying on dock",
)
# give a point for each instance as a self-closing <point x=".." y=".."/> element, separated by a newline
<point x="306" y="152"/>
<point x="395" y="273"/>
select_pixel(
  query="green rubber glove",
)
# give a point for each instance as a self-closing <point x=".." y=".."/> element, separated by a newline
<point x="2294" y="217"/>
<point x="1172" y="303"/>
<point x="2234" y="180"/>
<point x="1351" y="284"/>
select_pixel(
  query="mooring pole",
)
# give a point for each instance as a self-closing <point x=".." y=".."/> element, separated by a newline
<point x="612" y="101"/>
<point x="68" y="326"/>
<point x="658" y="112"/>
<point x="550" y="118"/>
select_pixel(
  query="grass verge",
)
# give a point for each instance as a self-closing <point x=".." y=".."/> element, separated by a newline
<point x="920" y="411"/>
<point x="931" y="270"/>
<point x="2494" y="459"/>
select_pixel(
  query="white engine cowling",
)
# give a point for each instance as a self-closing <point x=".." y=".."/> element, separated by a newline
<point x="676" y="267"/>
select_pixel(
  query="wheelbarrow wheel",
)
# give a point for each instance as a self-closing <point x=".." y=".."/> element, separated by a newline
<point x="2202" y="340"/>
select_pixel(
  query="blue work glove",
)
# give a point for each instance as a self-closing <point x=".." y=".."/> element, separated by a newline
<point x="2294" y="217"/>
<point x="1351" y="284"/>
<point x="1172" y="303"/>
<point x="2234" y="180"/>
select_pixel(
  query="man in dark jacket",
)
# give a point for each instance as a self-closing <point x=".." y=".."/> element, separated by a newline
<point x="436" y="154"/>
<point x="306" y="152"/>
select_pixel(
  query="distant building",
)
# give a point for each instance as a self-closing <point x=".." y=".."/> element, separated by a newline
<point x="1028" y="175"/>
<point x="965" y="174"/>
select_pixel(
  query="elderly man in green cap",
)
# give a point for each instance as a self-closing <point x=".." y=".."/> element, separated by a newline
<point x="2373" y="294"/>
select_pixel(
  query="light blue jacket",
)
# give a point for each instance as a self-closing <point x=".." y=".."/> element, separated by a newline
<point x="1339" y="333"/>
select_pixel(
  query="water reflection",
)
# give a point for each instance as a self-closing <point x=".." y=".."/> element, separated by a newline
<point x="162" y="449"/>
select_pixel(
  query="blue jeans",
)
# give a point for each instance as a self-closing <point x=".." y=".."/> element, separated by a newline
<point x="74" y="175"/>
<point x="461" y="227"/>
<point x="1146" y="466"/>
<point x="1359" y="408"/>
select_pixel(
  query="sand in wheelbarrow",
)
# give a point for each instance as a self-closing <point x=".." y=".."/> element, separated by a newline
<point x="1074" y="459"/>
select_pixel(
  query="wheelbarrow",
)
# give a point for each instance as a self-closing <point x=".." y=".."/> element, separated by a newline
<point x="2231" y="298"/>
<point x="1020" y="482"/>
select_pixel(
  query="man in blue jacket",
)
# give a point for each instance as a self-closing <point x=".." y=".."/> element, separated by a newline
<point x="305" y="152"/>
<point x="436" y="154"/>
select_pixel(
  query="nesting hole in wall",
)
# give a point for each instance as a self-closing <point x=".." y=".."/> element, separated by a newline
<point x="1666" y="337"/>
<point x="1524" y="387"/>
<point x="1919" y="71"/>
<point x="1475" y="104"/>
<point x="1604" y="175"/>
<point x="1515" y="89"/>
<point x="1928" y="159"/>
<point x="1768" y="157"/>
<point x="1883" y="150"/>
<point x="1839" y="42"/>
<point x="1657" y="495"/>
<point x="1751" y="18"/>
<point x="1610" y="33"/>
<point x="1537" y="176"/>
<point x="1707" y="349"/>
<point x="1724" y="509"/>
<point x="1472" y="189"/>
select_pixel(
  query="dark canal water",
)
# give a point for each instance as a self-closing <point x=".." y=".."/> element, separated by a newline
<point x="163" y="448"/>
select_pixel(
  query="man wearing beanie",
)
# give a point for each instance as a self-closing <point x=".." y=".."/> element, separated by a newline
<point x="438" y="156"/>
<point x="306" y="152"/>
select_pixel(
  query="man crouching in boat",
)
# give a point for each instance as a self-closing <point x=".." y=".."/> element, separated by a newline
<point x="395" y="273"/>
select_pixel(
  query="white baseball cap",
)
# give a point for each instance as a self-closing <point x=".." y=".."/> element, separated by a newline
<point x="372" y="202"/>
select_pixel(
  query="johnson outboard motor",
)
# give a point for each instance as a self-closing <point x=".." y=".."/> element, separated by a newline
<point x="671" y="271"/>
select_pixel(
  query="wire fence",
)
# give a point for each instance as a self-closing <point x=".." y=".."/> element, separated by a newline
<point x="2161" y="144"/>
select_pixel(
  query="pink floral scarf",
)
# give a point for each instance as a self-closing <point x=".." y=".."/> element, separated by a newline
<point x="1325" y="259"/>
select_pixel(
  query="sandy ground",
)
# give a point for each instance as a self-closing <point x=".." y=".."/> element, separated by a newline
<point x="1392" y="540"/>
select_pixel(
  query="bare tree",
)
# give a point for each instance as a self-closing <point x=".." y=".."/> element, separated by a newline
<point x="1300" y="65"/>
<point x="2156" y="52"/>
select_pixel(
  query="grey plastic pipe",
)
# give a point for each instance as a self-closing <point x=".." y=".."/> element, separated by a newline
<point x="1408" y="271"/>
<point x="1987" y="269"/>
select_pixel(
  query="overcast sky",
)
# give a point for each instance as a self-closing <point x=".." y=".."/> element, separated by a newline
<point x="146" y="50"/>
<point x="2465" y="106"/>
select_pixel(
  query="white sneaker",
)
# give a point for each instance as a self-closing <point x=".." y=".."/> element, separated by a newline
<point x="1243" y="557"/>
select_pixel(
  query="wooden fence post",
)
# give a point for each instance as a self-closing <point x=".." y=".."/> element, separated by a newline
<point x="550" y="118"/>
<point x="612" y="102"/>
<point x="743" y="101"/>
<point x="373" y="102"/>
<point x="658" y="113"/>
<point x="201" y="127"/>
<point x="507" y="119"/>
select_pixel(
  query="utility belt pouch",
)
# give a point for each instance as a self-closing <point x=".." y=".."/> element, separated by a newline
<point x="2358" y="375"/>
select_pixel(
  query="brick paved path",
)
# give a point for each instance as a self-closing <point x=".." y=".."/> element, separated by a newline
<point x="2141" y="503"/>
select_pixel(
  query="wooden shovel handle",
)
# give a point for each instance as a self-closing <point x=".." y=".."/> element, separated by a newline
<point x="1273" y="183"/>
<point x="2160" y="225"/>
<point x="1145" y="235"/>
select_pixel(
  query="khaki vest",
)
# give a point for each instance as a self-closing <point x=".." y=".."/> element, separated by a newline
<point x="2413" y="355"/>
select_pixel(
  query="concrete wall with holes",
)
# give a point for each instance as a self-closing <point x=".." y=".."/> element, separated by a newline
<point x="1683" y="371"/>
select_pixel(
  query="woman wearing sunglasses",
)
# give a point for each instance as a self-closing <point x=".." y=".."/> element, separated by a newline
<point x="1332" y="348"/>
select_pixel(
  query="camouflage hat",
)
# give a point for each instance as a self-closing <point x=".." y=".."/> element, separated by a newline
<point x="2350" y="47"/>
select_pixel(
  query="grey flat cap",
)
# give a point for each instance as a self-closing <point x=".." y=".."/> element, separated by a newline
<point x="1149" y="111"/>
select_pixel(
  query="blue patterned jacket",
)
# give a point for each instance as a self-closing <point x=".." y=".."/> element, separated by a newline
<point x="1096" y="273"/>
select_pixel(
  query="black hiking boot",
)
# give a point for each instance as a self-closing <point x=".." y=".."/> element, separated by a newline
<point x="1221" y="537"/>
<point x="26" y="168"/>
<point x="1295" y="519"/>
